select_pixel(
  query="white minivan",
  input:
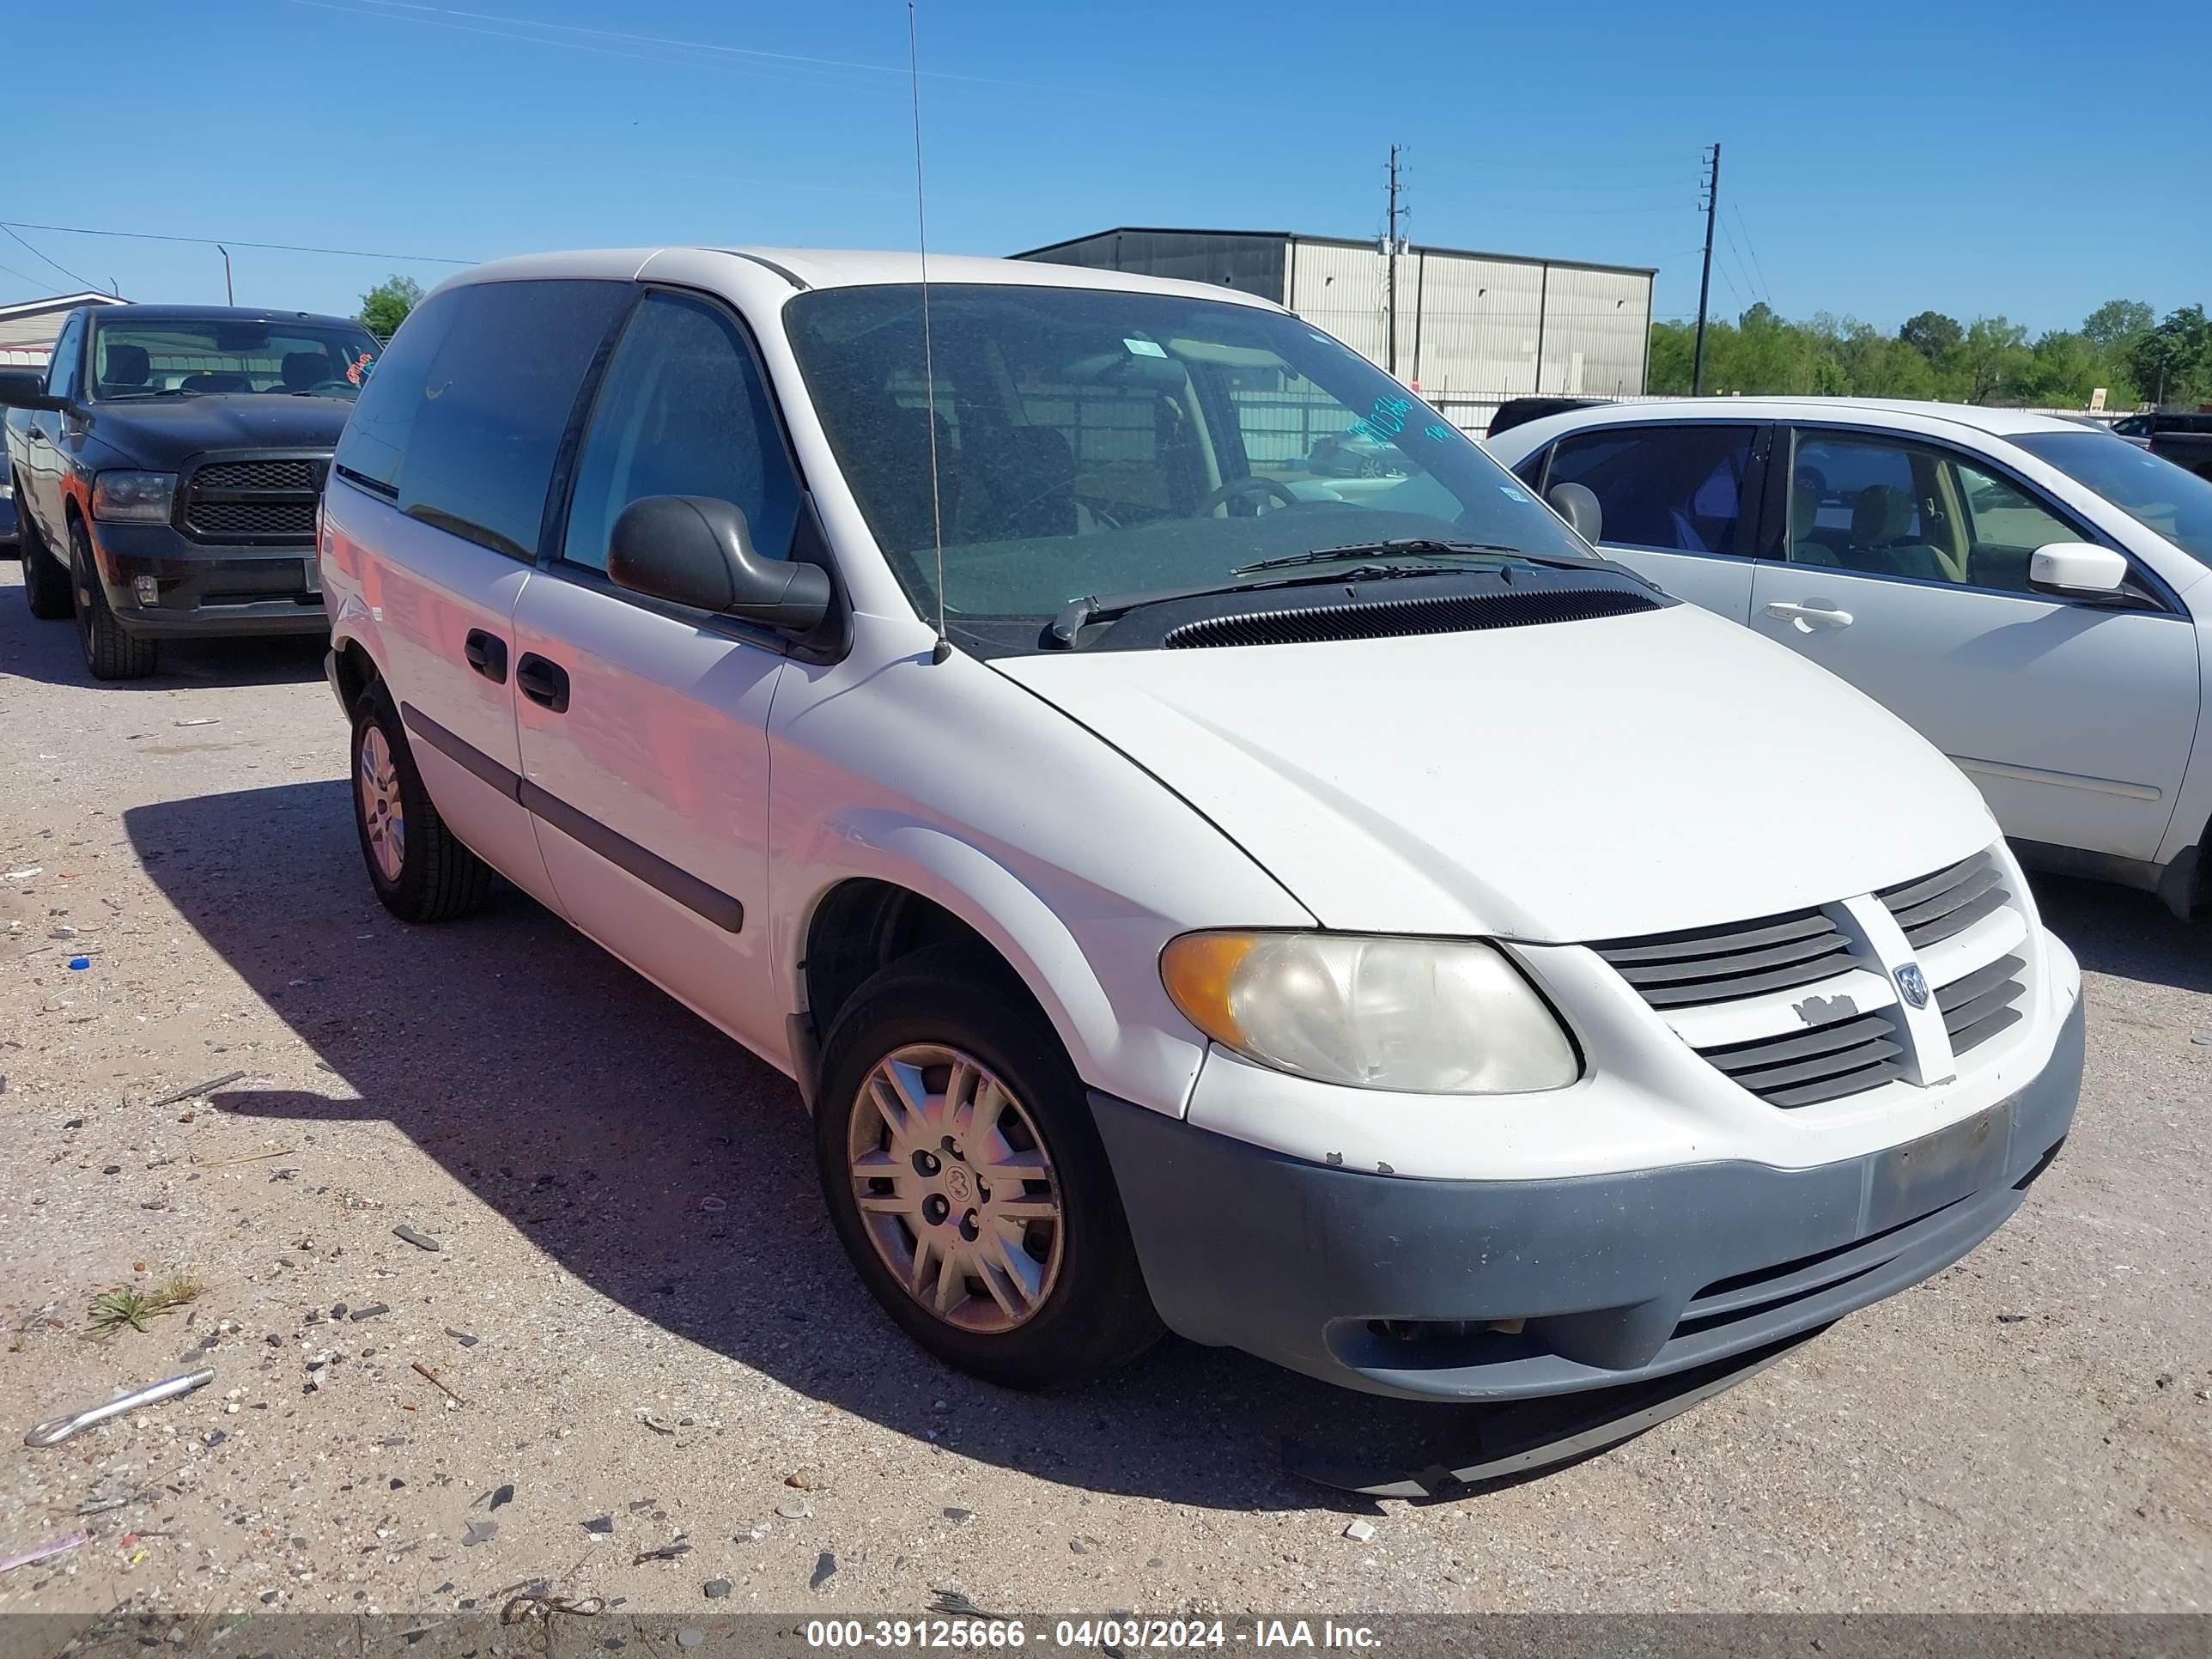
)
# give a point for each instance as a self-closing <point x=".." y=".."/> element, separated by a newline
<point x="1338" y="917"/>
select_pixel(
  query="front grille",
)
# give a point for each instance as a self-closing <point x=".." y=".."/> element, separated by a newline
<point x="267" y="500"/>
<point x="1824" y="1063"/>
<point x="1979" y="1005"/>
<point x="219" y="477"/>
<point x="253" y="518"/>
<point x="1949" y="902"/>
<point x="1720" y="965"/>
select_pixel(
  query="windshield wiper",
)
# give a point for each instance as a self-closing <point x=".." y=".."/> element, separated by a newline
<point x="1078" y="614"/>
<point x="1418" y="545"/>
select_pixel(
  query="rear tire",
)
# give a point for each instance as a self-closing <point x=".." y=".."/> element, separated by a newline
<point x="1043" y="1289"/>
<point x="419" y="868"/>
<point x="45" y="582"/>
<point x="109" y="653"/>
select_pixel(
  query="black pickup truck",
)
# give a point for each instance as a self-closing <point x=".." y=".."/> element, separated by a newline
<point x="166" y="468"/>
<point x="2184" y="439"/>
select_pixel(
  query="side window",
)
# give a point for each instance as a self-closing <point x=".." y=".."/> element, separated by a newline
<point x="1678" y="489"/>
<point x="1871" y="504"/>
<point x="683" y="411"/>
<point x="62" y="372"/>
<point x="2003" y="527"/>
<point x="464" y="418"/>
<point x="1886" y="507"/>
<point x="375" y="440"/>
<point x="1531" y="471"/>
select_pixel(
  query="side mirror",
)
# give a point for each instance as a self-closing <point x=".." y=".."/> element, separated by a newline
<point x="2076" y="568"/>
<point x="1578" y="504"/>
<point x="26" y="388"/>
<point x="697" y="550"/>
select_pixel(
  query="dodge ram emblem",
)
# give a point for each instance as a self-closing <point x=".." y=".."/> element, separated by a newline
<point x="1912" y="985"/>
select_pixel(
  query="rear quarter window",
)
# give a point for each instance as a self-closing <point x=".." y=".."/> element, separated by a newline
<point x="462" y="419"/>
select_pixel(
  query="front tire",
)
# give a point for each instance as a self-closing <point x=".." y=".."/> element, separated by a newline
<point x="419" y="868"/>
<point x="966" y="1179"/>
<point x="109" y="653"/>
<point x="45" y="583"/>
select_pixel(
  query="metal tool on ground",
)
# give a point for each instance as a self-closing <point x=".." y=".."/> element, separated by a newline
<point x="197" y="1088"/>
<point x="55" y="1429"/>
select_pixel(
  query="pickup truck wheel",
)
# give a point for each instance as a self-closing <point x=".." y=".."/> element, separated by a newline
<point x="109" y="653"/>
<point x="420" y="869"/>
<point x="45" y="583"/>
<point x="966" y="1179"/>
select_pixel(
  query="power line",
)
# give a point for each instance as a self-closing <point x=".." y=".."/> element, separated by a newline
<point x="82" y="282"/>
<point x="20" y="277"/>
<point x="234" y="242"/>
<point x="1741" y="269"/>
<point x="404" y="6"/>
<point x="1746" y="229"/>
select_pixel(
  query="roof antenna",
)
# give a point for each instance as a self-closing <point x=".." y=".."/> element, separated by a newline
<point x="944" y="648"/>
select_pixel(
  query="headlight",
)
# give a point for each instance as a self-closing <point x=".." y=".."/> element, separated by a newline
<point x="1425" y="1016"/>
<point x="133" y="497"/>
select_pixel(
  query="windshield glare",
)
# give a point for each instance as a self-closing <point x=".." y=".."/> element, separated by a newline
<point x="2149" y="488"/>
<point x="189" y="357"/>
<point x="1093" y="443"/>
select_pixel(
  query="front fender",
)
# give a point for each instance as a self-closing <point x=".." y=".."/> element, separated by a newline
<point x="1125" y="1031"/>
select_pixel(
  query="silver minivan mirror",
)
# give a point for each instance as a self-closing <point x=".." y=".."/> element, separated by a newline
<point x="2077" y="568"/>
<point x="1578" y="504"/>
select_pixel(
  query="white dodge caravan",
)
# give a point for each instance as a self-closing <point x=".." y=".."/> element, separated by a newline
<point x="1339" y="917"/>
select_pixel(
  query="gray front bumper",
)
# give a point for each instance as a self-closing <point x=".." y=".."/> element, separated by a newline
<point x="206" y="588"/>
<point x="1394" y="1286"/>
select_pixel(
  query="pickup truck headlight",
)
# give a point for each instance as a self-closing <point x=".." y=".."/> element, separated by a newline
<point x="133" y="497"/>
<point x="1446" y="1017"/>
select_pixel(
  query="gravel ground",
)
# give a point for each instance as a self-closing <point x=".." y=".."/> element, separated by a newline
<point x="674" y="1379"/>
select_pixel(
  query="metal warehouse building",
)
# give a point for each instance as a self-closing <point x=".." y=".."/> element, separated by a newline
<point x="1473" y="329"/>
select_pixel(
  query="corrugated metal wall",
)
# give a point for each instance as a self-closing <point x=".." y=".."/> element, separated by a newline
<point x="1595" y="324"/>
<point x="1481" y="320"/>
<point x="1475" y="328"/>
<point x="1340" y="290"/>
<point x="1480" y="327"/>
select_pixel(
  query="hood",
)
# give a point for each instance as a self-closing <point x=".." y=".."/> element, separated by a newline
<point x="164" y="433"/>
<point x="1560" y="782"/>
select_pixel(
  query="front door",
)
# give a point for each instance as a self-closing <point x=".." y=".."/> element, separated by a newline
<point x="1672" y="500"/>
<point x="644" y="724"/>
<point x="1906" y="571"/>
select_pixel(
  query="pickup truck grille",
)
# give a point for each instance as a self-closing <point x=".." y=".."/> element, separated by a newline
<point x="1797" y="1009"/>
<point x="268" y="500"/>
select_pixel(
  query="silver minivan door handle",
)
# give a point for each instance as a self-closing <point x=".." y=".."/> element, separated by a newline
<point x="1806" y="618"/>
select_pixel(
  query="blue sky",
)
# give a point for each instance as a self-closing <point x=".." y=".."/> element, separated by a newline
<point x="2026" y="158"/>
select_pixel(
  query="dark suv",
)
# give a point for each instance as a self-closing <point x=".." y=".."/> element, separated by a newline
<point x="165" y="470"/>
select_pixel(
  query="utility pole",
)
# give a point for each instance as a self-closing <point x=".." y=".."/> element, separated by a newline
<point x="230" y="298"/>
<point x="1390" y="272"/>
<point x="1705" y="282"/>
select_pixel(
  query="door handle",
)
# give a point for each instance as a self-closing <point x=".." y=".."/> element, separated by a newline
<point x="543" y="682"/>
<point x="39" y="436"/>
<point x="1806" y="618"/>
<point x="487" y="654"/>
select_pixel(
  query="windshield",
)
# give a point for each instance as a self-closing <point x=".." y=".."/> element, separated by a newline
<point x="1094" y="442"/>
<point x="2150" y="489"/>
<point x="186" y="357"/>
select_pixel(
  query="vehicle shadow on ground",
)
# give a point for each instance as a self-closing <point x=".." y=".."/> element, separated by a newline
<point x="48" y="651"/>
<point x="596" y="1116"/>
<point x="2126" y="934"/>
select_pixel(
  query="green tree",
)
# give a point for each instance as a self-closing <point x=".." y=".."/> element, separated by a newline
<point x="385" y="306"/>
<point x="2117" y="324"/>
<point x="2173" y="362"/>
<point x="1932" y="334"/>
<point x="1993" y="354"/>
